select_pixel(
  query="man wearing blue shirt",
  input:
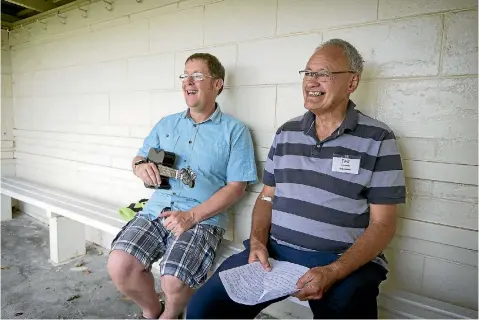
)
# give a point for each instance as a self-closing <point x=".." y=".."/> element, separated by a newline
<point x="184" y="225"/>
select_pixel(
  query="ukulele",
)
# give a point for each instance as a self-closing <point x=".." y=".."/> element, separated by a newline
<point x="164" y="161"/>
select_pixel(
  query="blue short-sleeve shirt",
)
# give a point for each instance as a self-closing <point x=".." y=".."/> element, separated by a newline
<point x="219" y="150"/>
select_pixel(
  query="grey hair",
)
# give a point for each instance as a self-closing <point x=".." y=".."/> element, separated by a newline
<point x="355" y="60"/>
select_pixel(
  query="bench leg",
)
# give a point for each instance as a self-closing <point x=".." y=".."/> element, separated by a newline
<point x="67" y="239"/>
<point x="6" y="208"/>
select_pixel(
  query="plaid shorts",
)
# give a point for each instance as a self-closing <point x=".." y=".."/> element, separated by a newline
<point x="187" y="258"/>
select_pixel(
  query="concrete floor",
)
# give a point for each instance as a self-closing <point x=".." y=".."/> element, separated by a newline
<point x="32" y="287"/>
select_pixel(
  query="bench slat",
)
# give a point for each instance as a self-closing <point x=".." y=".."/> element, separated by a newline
<point x="109" y="212"/>
<point x="82" y="202"/>
<point x="106" y="223"/>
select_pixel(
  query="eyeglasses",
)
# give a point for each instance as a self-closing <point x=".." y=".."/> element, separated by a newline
<point x="197" y="76"/>
<point x="322" y="76"/>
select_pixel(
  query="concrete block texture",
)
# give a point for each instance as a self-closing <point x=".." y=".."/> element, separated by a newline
<point x="166" y="35"/>
<point x="460" y="43"/>
<point x="149" y="72"/>
<point x="448" y="281"/>
<point x="402" y="48"/>
<point x="437" y="109"/>
<point x="258" y="61"/>
<point x="307" y="15"/>
<point x="446" y="212"/>
<point x="394" y="9"/>
<point x="234" y="21"/>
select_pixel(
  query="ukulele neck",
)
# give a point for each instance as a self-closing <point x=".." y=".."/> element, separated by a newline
<point x="167" y="172"/>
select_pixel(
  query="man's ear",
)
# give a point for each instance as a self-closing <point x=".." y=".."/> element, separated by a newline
<point x="353" y="83"/>
<point x="219" y="84"/>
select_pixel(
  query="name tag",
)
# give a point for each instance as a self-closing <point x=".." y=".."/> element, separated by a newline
<point x="346" y="164"/>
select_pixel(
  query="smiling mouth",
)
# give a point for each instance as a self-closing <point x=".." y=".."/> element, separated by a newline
<point x="316" y="93"/>
<point x="191" y="92"/>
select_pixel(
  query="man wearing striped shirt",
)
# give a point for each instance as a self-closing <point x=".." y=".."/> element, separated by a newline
<point x="332" y="182"/>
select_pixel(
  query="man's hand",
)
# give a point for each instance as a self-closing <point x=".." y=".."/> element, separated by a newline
<point x="148" y="173"/>
<point x="314" y="283"/>
<point x="258" y="252"/>
<point x="178" y="221"/>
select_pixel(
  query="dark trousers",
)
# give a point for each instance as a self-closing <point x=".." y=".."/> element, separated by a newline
<point x="353" y="297"/>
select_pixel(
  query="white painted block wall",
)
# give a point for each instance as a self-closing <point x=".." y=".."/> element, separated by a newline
<point x="7" y="166"/>
<point x="85" y="94"/>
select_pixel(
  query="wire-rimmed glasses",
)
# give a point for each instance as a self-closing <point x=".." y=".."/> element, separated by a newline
<point x="197" y="76"/>
<point x="322" y="76"/>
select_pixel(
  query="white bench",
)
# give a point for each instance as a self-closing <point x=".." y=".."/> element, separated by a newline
<point x="69" y="214"/>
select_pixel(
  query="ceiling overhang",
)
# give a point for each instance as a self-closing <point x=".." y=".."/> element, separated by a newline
<point x="14" y="11"/>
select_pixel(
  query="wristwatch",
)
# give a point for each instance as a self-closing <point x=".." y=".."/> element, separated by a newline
<point x="140" y="162"/>
<point x="137" y="163"/>
<point x="266" y="198"/>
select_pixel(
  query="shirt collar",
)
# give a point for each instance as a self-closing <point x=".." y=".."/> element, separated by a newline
<point x="351" y="120"/>
<point x="215" y="116"/>
<point x="349" y="123"/>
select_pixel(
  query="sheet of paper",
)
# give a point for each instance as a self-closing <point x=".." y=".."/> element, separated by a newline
<point x="251" y="284"/>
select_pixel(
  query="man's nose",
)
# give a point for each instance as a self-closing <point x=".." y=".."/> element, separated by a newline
<point x="313" y="84"/>
<point x="188" y="81"/>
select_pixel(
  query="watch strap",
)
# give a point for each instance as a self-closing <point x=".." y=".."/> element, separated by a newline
<point x="140" y="162"/>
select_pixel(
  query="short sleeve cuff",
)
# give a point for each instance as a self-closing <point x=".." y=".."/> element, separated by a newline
<point x="250" y="178"/>
<point x="141" y="153"/>
<point x="387" y="200"/>
<point x="268" y="179"/>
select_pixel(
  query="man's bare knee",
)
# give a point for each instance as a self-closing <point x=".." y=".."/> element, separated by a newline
<point x="122" y="266"/>
<point x="171" y="285"/>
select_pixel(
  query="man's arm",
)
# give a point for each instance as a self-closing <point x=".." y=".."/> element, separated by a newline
<point x="135" y="159"/>
<point x="180" y="221"/>
<point x="261" y="219"/>
<point x="262" y="213"/>
<point x="147" y="172"/>
<point x="376" y="237"/>
<point x="260" y="227"/>
<point x="220" y="201"/>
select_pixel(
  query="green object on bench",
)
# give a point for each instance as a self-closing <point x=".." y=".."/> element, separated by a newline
<point x="127" y="213"/>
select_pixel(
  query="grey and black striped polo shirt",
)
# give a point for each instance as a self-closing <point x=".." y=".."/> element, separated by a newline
<point x="316" y="208"/>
